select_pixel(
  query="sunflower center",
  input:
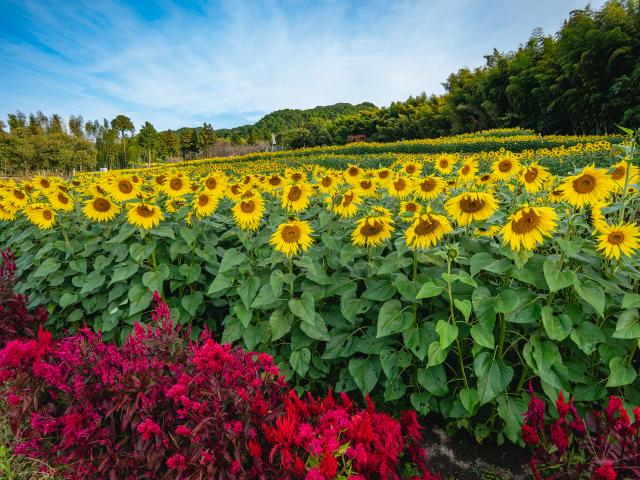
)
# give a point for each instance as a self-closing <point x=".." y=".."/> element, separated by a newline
<point x="353" y="171"/>
<point x="347" y="199"/>
<point x="371" y="229"/>
<point x="125" y="186"/>
<point x="527" y="222"/>
<point x="410" y="169"/>
<point x="426" y="226"/>
<point x="247" y="180"/>
<point x="584" y="183"/>
<point x="248" y="207"/>
<point x="175" y="184"/>
<point x="465" y="170"/>
<point x="399" y="184"/>
<point x="203" y="200"/>
<point x="531" y="174"/>
<point x="296" y="177"/>
<point x="505" y="166"/>
<point x="47" y="214"/>
<point x="485" y="177"/>
<point x="326" y="182"/>
<point x="383" y="174"/>
<point x="366" y="184"/>
<point x="18" y="194"/>
<point x="101" y="205"/>
<point x="235" y="189"/>
<point x="618" y="173"/>
<point x="444" y="164"/>
<point x="428" y="185"/>
<point x="100" y="190"/>
<point x="160" y="179"/>
<point x="211" y="183"/>
<point x="291" y="233"/>
<point x="471" y="205"/>
<point x="135" y="179"/>
<point x="44" y="183"/>
<point x="274" y="180"/>
<point x="294" y="194"/>
<point x="615" y="238"/>
<point x="410" y="207"/>
<point x="144" y="211"/>
<point x="63" y="198"/>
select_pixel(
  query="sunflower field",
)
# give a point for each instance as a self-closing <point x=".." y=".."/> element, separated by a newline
<point x="444" y="280"/>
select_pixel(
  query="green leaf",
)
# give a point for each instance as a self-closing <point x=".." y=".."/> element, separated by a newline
<point x="230" y="259"/>
<point x="483" y="335"/>
<point x="620" y="373"/>
<point x="187" y="234"/>
<point x="248" y="290"/>
<point x="493" y="376"/>
<point x="570" y="247"/>
<point x="123" y="272"/>
<point x="379" y="290"/>
<point x="434" y="380"/>
<point x="627" y="326"/>
<point x="221" y="282"/>
<point x="507" y="301"/>
<point x="139" y="298"/>
<point x="300" y="360"/>
<point x="557" y="328"/>
<point x="436" y="354"/>
<point x="511" y="410"/>
<point x="191" y="273"/>
<point x="447" y="333"/>
<point x="390" y="318"/>
<point x="67" y="299"/>
<point x="484" y="261"/>
<point x="276" y="281"/>
<point x="365" y="372"/>
<point x="47" y="267"/>
<point x="429" y="290"/>
<point x="192" y="302"/>
<point x="556" y="279"/>
<point x="418" y="337"/>
<point x="630" y="300"/>
<point x="587" y="336"/>
<point x="469" y="399"/>
<point x="92" y="281"/>
<point x="280" y="324"/>
<point x="303" y="307"/>
<point x="420" y="402"/>
<point x="593" y="295"/>
<point x="464" y="306"/>
<point x="316" y="330"/>
<point x="153" y="280"/>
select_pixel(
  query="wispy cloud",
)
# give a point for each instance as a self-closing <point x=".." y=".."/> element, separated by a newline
<point x="230" y="62"/>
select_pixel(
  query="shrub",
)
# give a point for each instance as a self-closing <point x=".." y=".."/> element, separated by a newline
<point x="16" y="319"/>
<point x="604" y="445"/>
<point x="164" y="407"/>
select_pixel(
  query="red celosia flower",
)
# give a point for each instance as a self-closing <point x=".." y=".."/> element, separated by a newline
<point x="530" y="435"/>
<point x="176" y="462"/>
<point x="562" y="406"/>
<point x="535" y="414"/>
<point x="559" y="436"/>
<point x="606" y="472"/>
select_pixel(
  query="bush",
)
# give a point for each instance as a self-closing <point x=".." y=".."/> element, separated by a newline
<point x="16" y="319"/>
<point x="603" y="446"/>
<point x="161" y="407"/>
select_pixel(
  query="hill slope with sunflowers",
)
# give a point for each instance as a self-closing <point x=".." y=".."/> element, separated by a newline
<point x="446" y="280"/>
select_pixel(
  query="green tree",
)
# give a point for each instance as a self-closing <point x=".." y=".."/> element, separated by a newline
<point x="148" y="140"/>
<point x="123" y="124"/>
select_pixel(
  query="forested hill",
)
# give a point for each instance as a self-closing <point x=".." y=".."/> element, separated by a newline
<point x="290" y="118"/>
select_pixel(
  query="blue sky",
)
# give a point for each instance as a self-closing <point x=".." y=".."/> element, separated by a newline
<point x="230" y="62"/>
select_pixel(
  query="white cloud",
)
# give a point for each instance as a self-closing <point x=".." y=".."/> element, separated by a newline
<point x="239" y="58"/>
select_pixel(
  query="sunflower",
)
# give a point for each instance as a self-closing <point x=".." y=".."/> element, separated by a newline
<point x="205" y="203"/>
<point x="597" y="219"/>
<point x="589" y="187"/>
<point x="534" y="177"/>
<point x="16" y="197"/>
<point x="485" y="179"/>
<point x="468" y="170"/>
<point x="619" y="173"/>
<point x="122" y="188"/>
<point x="352" y="174"/>
<point x="429" y="188"/>
<point x="471" y="206"/>
<point x="273" y="182"/>
<point x="366" y="187"/>
<point x="235" y="191"/>
<point x="382" y="211"/>
<point x="620" y="239"/>
<point x="371" y="231"/>
<point x="445" y="163"/>
<point x="427" y="230"/>
<point x="401" y="187"/>
<point x="248" y="211"/>
<point x="214" y="184"/>
<point x="409" y="210"/>
<point x="527" y="227"/>
<point x="505" y="168"/>
<point x="100" y="209"/>
<point x="40" y="215"/>
<point x="345" y="205"/>
<point x="292" y="237"/>
<point x="8" y="211"/>
<point x="384" y="175"/>
<point x="412" y="168"/>
<point x="43" y="184"/>
<point x="296" y="197"/>
<point x="491" y="231"/>
<point x="176" y="186"/>
<point x="144" y="215"/>
<point x="327" y="184"/>
<point x="556" y="195"/>
<point x="60" y="201"/>
<point x="294" y="175"/>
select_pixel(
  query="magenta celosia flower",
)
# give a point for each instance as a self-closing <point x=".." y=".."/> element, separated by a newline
<point x="605" y="472"/>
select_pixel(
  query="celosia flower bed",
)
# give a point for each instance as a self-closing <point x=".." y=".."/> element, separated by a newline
<point x="163" y="407"/>
<point x="604" y="445"/>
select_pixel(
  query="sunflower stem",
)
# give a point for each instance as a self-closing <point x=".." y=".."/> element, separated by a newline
<point x="292" y="277"/>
